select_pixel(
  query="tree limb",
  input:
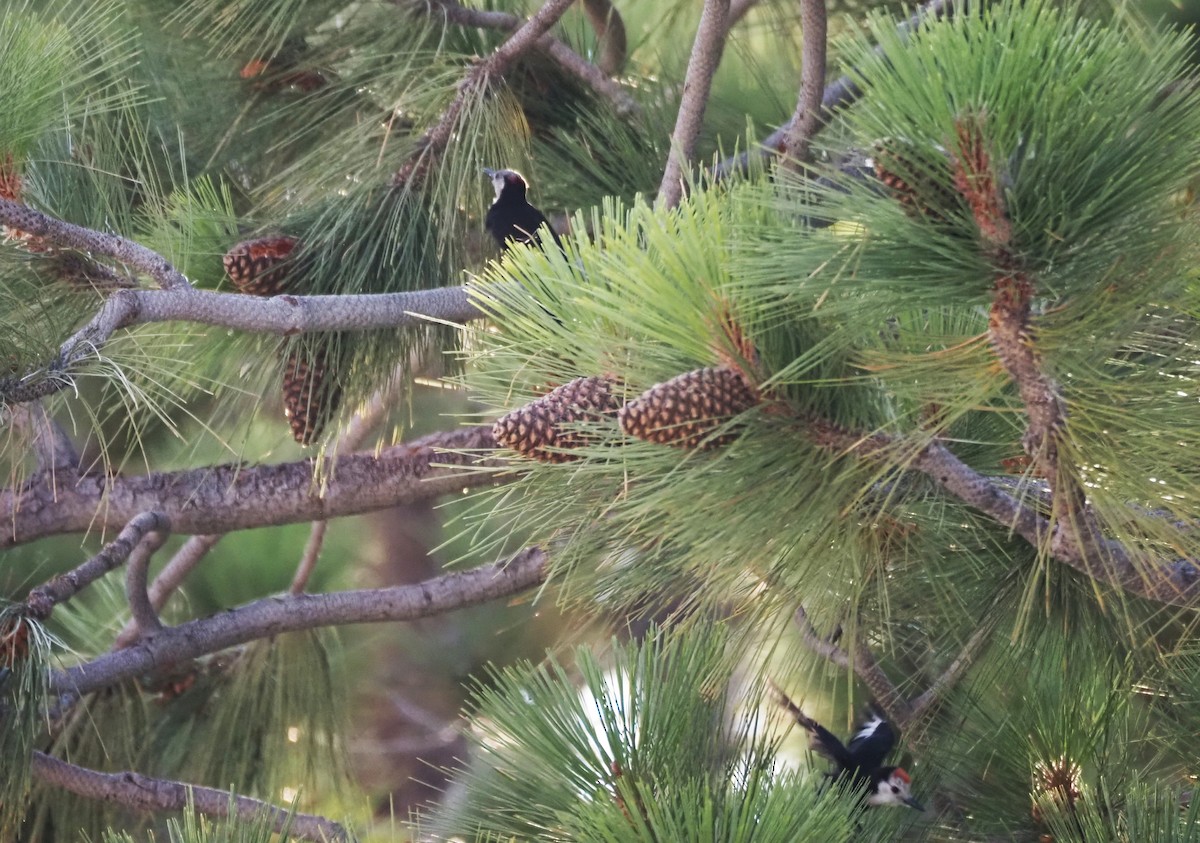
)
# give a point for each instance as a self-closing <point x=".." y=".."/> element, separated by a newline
<point x="55" y="451"/>
<point x="839" y="94"/>
<point x="434" y="141"/>
<point x="702" y="66"/>
<point x="950" y="676"/>
<point x="610" y="34"/>
<point x="277" y="615"/>
<point x="566" y="58"/>
<point x="233" y="497"/>
<point x="133" y="790"/>
<point x="145" y="619"/>
<point x="169" y="579"/>
<point x="42" y="600"/>
<point x="808" y="117"/>
<point x="71" y="236"/>
<point x="283" y="315"/>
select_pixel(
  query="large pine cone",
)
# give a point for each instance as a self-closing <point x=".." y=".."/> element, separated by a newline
<point x="310" y="397"/>
<point x="260" y="267"/>
<point x="913" y="181"/>
<point x="534" y="430"/>
<point x="685" y="410"/>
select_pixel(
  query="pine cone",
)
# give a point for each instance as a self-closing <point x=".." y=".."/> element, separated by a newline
<point x="308" y="400"/>
<point x="254" y="266"/>
<point x="533" y="430"/>
<point x="912" y="181"/>
<point x="685" y="410"/>
<point x="14" y="641"/>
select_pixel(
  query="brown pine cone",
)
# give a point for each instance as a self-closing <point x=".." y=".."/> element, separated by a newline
<point x="308" y="399"/>
<point x="685" y="410"/>
<point x="260" y="267"/>
<point x="534" y="430"/>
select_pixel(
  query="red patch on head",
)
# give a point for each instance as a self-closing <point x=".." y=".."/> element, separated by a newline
<point x="902" y="774"/>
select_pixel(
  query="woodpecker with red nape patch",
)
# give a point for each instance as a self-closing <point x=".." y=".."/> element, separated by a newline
<point x="511" y="219"/>
<point x="859" y="764"/>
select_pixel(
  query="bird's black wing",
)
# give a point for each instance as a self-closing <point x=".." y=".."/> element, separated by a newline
<point x="821" y="740"/>
<point x="872" y="741"/>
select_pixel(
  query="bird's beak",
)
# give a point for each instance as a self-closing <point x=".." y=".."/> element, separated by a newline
<point x="490" y="173"/>
<point x="911" y="801"/>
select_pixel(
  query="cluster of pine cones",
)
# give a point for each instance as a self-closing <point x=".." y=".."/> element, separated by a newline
<point x="310" y="396"/>
<point x="686" y="412"/>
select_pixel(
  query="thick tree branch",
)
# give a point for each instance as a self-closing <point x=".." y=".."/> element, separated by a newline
<point x="42" y="600"/>
<point x="133" y="790"/>
<point x="233" y="497"/>
<point x="277" y="615"/>
<point x="567" y="58"/>
<point x="839" y="94"/>
<point x="284" y="315"/>
<point x="808" y="116"/>
<point x="70" y="236"/>
<point x="702" y="66"/>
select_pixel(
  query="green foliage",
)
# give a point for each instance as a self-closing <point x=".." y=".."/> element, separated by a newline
<point x="194" y="828"/>
<point x="24" y="657"/>
<point x="652" y="747"/>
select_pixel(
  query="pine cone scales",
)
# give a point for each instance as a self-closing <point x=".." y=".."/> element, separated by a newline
<point x="258" y="267"/>
<point x="685" y="410"/>
<point x="534" y="430"/>
<point x="307" y="399"/>
<point x="911" y="182"/>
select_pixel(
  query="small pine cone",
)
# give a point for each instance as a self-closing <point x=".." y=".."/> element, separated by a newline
<point x="911" y="182"/>
<point x="533" y="430"/>
<point x="308" y="400"/>
<point x="258" y="267"/>
<point x="685" y="410"/>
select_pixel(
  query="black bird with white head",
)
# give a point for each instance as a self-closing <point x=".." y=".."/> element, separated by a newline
<point x="511" y="219"/>
<point x="859" y="763"/>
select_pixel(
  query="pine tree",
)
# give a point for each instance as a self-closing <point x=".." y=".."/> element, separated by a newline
<point x="892" y="407"/>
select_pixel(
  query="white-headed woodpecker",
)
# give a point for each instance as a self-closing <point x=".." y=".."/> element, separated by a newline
<point x="859" y="764"/>
<point x="511" y="219"/>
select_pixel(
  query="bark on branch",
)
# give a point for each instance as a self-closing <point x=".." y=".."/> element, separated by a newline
<point x="808" y="116"/>
<point x="233" y="497"/>
<point x="133" y="790"/>
<point x="277" y="615"/>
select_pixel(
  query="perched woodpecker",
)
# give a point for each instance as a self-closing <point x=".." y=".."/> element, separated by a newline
<point x="859" y="764"/>
<point x="511" y="219"/>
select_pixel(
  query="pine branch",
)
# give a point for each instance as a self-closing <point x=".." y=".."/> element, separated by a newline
<point x="70" y="236"/>
<point x="308" y="559"/>
<point x="283" y="315"/>
<point x="277" y="615"/>
<point x="606" y="22"/>
<point x="1174" y="582"/>
<point x="133" y="790"/>
<point x="169" y="579"/>
<point x="435" y="140"/>
<point x="702" y="66"/>
<point x="808" y="116"/>
<point x="230" y="497"/>
<point x="839" y="94"/>
<point x="145" y="619"/>
<point x="948" y="677"/>
<point x="55" y="451"/>
<point x="566" y="58"/>
<point x="42" y="600"/>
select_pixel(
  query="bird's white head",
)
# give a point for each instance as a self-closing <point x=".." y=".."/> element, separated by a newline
<point x="503" y="178"/>
<point x="894" y="790"/>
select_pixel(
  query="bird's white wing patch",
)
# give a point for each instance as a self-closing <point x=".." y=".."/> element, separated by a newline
<point x="868" y="729"/>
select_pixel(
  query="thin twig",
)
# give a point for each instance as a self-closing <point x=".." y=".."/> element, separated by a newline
<point x="568" y="59"/>
<point x="70" y="236"/>
<point x="42" y="600"/>
<point x="308" y="559"/>
<point x="142" y="793"/>
<point x="220" y="499"/>
<point x="282" y="315"/>
<point x="169" y="579"/>
<point x="435" y="140"/>
<point x="950" y="676"/>
<point x="277" y="615"/>
<point x="145" y="619"/>
<point x="702" y="66"/>
<point x="839" y="94"/>
<point x="808" y="117"/>
<point x="606" y="22"/>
